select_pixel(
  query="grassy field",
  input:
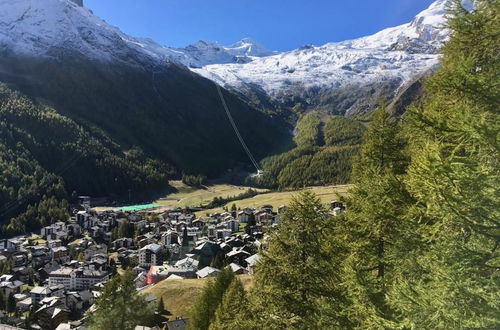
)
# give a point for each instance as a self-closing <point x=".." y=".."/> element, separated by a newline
<point x="193" y="197"/>
<point x="188" y="196"/>
<point x="276" y="199"/>
<point x="179" y="295"/>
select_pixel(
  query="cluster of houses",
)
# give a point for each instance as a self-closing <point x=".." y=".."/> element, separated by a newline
<point x="51" y="279"/>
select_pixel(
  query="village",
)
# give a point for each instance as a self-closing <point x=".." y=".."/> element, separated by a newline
<point x="50" y="279"/>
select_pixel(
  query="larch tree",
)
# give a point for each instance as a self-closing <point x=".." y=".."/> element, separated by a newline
<point x="454" y="281"/>
<point x="120" y="306"/>
<point x="203" y="311"/>
<point x="11" y="303"/>
<point x="2" y="301"/>
<point x="234" y="310"/>
<point x="161" y="314"/>
<point x="297" y="275"/>
<point x="375" y="231"/>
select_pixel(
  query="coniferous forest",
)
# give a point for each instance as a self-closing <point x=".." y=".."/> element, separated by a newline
<point x="322" y="154"/>
<point x="46" y="156"/>
<point x="418" y="247"/>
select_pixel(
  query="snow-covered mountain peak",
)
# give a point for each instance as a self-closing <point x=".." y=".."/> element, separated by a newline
<point x="202" y="53"/>
<point x="393" y="56"/>
<point x="55" y="27"/>
<point x="249" y="47"/>
<point x="387" y="60"/>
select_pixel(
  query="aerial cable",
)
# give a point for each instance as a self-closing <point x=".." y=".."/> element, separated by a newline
<point x="229" y="116"/>
<point x="235" y="128"/>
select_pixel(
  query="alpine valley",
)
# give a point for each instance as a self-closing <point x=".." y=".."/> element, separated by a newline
<point x="86" y="108"/>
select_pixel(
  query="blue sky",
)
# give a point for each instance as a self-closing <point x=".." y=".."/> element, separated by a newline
<point x="278" y="24"/>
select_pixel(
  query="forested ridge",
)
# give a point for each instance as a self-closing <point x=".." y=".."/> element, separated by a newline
<point x="418" y="246"/>
<point x="44" y="156"/>
<point x="322" y="154"/>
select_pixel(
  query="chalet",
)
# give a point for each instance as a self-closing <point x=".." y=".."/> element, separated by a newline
<point x="84" y="219"/>
<point x="46" y="231"/>
<point x="252" y="262"/>
<point x="267" y="208"/>
<point x="78" y="301"/>
<point x="9" y="287"/>
<point x="170" y="237"/>
<point x="95" y="232"/>
<point x="238" y="256"/>
<point x="187" y="262"/>
<point x="54" y="243"/>
<point x="14" y="244"/>
<point x="223" y="233"/>
<point x="19" y="259"/>
<point x="237" y="269"/>
<point x="38" y="293"/>
<point x="59" y="253"/>
<point x="92" y="250"/>
<point x="51" y="313"/>
<point x="159" y="273"/>
<point x="245" y="215"/>
<point x="211" y="232"/>
<point x="264" y="217"/>
<point x="22" y="273"/>
<point x="207" y="272"/>
<point x="150" y="255"/>
<point x="198" y="223"/>
<point x="233" y="225"/>
<point x="76" y="279"/>
<point x="123" y="242"/>
<point x="74" y="229"/>
<point x="206" y="252"/>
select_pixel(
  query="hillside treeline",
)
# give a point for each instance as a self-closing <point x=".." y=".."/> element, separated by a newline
<point x="45" y="157"/>
<point x="323" y="154"/>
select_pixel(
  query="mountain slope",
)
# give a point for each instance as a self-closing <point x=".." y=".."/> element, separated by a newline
<point x="345" y="77"/>
<point x="59" y="52"/>
<point x="126" y="116"/>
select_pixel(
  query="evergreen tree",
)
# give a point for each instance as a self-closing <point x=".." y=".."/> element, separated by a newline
<point x="204" y="308"/>
<point x="218" y="261"/>
<point x="114" y="234"/>
<point x="222" y="282"/>
<point x="11" y="303"/>
<point x="112" y="267"/>
<point x="2" y="301"/>
<point x="161" y="313"/>
<point x="453" y="279"/>
<point x="28" y="320"/>
<point x="126" y="229"/>
<point x="298" y="272"/>
<point x="375" y="230"/>
<point x="6" y="267"/>
<point x="120" y="306"/>
<point x="200" y="315"/>
<point x="234" y="310"/>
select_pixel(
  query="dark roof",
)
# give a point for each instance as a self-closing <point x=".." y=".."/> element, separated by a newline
<point x="179" y="324"/>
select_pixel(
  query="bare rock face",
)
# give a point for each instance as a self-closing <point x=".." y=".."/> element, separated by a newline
<point x="78" y="2"/>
